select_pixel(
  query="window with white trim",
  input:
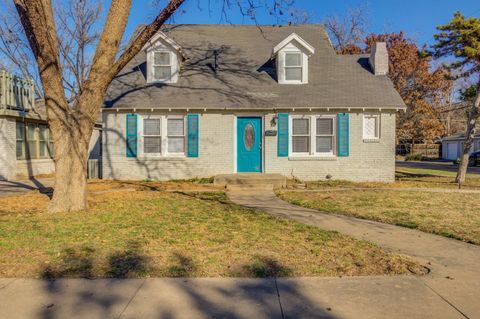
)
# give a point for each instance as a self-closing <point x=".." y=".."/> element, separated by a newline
<point x="313" y="135"/>
<point x="325" y="135"/>
<point x="371" y="126"/>
<point x="162" y="65"/>
<point x="301" y="135"/>
<point x="176" y="135"/>
<point x="162" y="135"/>
<point x="152" y="136"/>
<point x="293" y="66"/>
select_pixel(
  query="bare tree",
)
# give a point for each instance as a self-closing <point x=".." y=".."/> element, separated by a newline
<point x="73" y="102"/>
<point x="348" y="32"/>
<point x="77" y="35"/>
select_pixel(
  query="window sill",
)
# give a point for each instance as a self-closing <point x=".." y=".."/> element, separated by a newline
<point x="23" y="160"/>
<point x="163" y="158"/>
<point x="313" y="158"/>
<point x="371" y="140"/>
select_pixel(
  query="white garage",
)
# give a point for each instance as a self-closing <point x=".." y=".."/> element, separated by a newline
<point x="452" y="146"/>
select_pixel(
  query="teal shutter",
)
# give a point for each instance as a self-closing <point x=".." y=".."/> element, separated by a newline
<point x="282" y="134"/>
<point x="343" y="135"/>
<point x="192" y="133"/>
<point x="131" y="139"/>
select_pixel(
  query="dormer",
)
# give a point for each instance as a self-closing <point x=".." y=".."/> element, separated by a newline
<point x="292" y="55"/>
<point x="164" y="58"/>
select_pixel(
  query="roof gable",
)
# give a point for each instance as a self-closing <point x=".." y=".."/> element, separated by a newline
<point x="294" y="38"/>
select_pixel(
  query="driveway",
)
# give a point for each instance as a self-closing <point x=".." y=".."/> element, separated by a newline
<point x="438" y="165"/>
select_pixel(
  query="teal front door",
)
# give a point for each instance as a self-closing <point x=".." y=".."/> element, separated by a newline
<point x="249" y="144"/>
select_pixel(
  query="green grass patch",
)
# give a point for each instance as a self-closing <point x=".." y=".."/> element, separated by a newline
<point x="159" y="234"/>
<point x="453" y="215"/>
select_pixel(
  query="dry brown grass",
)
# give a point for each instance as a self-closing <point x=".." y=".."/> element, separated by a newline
<point x="143" y="233"/>
<point x="455" y="215"/>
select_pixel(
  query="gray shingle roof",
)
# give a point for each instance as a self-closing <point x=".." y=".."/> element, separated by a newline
<point x="246" y="79"/>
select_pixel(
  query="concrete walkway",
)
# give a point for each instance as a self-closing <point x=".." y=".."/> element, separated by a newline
<point x="455" y="270"/>
<point x="356" y="297"/>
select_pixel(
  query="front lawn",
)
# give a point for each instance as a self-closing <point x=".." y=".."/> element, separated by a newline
<point x="152" y="233"/>
<point x="455" y="215"/>
<point x="406" y="178"/>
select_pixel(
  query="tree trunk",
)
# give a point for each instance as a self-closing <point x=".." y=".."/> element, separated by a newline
<point x="470" y="134"/>
<point x="70" y="192"/>
<point x="72" y="141"/>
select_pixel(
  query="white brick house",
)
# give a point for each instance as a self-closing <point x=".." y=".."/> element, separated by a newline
<point x="26" y="149"/>
<point x="203" y="100"/>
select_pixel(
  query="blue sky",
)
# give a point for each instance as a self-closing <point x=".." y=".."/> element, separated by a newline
<point x="417" y="17"/>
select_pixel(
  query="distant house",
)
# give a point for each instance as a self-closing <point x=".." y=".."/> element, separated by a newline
<point x="203" y="100"/>
<point x="26" y="146"/>
<point x="452" y="146"/>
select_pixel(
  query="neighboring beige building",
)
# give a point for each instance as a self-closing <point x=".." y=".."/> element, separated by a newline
<point x="26" y="149"/>
<point x="203" y="100"/>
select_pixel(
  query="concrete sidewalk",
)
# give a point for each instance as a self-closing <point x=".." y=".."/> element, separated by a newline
<point x="357" y="297"/>
<point x="454" y="265"/>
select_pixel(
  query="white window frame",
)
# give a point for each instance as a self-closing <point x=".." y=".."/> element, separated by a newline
<point x="377" y="126"/>
<point x="333" y="135"/>
<point x="285" y="67"/>
<point x="313" y="136"/>
<point x="164" y="135"/>
<point x="162" y="65"/>
<point x="142" y="136"/>
<point x="170" y="117"/>
<point x="291" y="135"/>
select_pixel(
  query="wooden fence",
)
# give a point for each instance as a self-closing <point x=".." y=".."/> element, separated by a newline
<point x="15" y="92"/>
<point x="426" y="150"/>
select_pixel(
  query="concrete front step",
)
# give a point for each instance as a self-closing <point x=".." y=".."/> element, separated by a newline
<point x="251" y="180"/>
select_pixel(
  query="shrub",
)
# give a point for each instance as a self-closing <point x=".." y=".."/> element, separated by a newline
<point x="414" y="157"/>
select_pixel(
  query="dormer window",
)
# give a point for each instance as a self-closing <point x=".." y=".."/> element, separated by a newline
<point x="162" y="65"/>
<point x="292" y="55"/>
<point x="293" y="66"/>
<point x="164" y="58"/>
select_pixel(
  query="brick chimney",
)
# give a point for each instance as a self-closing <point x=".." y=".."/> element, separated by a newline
<point x="379" y="59"/>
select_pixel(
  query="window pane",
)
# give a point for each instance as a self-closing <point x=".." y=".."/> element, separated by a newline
<point x="301" y="144"/>
<point x="162" y="72"/>
<point x="42" y="132"/>
<point x="51" y="149"/>
<point x="175" y="127"/>
<point x="162" y="58"/>
<point x="32" y="149"/>
<point x="151" y="126"/>
<point x="31" y="132"/>
<point x="20" y="131"/>
<point x="324" y="126"/>
<point x="43" y="149"/>
<point x="293" y="59"/>
<point x="301" y="127"/>
<point x="20" y="149"/>
<point x="152" y="145"/>
<point x="324" y="144"/>
<point x="176" y="144"/>
<point x="293" y="74"/>
<point x="370" y="129"/>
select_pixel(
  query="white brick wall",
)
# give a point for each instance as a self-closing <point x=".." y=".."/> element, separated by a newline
<point x="367" y="161"/>
<point x="7" y="148"/>
<point x="215" y="152"/>
<point x="29" y="168"/>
